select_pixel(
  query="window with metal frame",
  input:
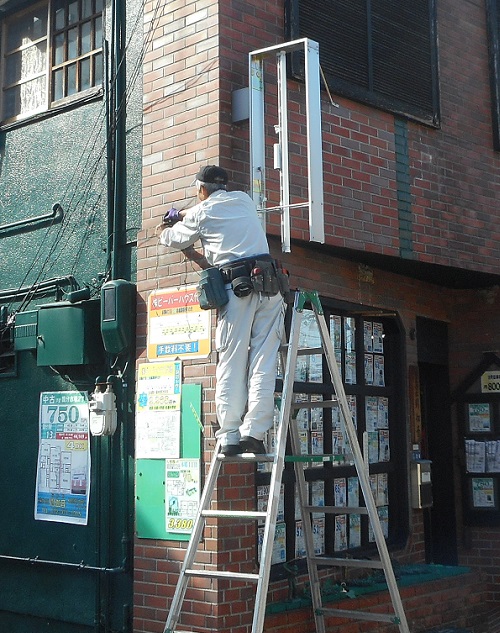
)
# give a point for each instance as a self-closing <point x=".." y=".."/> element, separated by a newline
<point x="368" y="346"/>
<point x="381" y="53"/>
<point x="51" y="53"/>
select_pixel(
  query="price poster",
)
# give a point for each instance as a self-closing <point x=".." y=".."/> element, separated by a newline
<point x="158" y="411"/>
<point x="63" y="469"/>
<point x="483" y="492"/>
<point x="182" y="494"/>
<point x="177" y="326"/>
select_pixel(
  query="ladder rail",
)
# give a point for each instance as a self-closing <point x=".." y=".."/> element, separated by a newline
<point x="286" y="406"/>
<point x="191" y="550"/>
<point x="364" y="481"/>
<point x="275" y="483"/>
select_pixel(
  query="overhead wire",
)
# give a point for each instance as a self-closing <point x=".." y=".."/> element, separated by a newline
<point x="80" y="184"/>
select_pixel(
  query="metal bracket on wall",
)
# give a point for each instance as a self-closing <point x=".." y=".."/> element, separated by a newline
<point x="258" y="137"/>
<point x="29" y="224"/>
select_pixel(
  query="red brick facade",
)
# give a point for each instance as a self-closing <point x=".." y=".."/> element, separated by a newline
<point x="197" y="54"/>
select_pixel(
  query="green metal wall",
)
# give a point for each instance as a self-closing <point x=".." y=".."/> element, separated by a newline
<point x="62" y="577"/>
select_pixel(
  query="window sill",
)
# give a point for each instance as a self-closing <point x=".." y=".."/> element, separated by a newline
<point x="94" y="94"/>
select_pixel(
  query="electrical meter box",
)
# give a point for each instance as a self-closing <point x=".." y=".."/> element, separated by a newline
<point x="118" y="299"/>
<point x="421" y="483"/>
<point x="25" y="330"/>
<point x="68" y="334"/>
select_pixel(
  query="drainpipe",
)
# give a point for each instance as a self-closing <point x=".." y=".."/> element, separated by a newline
<point x="116" y="227"/>
<point x="120" y="162"/>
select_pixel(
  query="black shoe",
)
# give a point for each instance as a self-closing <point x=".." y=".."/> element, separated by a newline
<point x="229" y="450"/>
<point x="251" y="445"/>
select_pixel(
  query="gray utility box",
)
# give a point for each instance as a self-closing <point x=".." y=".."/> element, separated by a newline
<point x="421" y="483"/>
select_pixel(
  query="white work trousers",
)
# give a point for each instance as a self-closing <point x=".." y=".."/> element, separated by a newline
<point x="248" y="336"/>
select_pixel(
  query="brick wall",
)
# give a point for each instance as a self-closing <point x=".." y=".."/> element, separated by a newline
<point x="196" y="56"/>
<point x="454" y="602"/>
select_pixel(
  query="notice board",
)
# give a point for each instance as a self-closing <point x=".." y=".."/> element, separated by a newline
<point x="151" y="488"/>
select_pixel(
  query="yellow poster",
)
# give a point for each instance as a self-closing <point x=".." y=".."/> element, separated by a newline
<point x="177" y="326"/>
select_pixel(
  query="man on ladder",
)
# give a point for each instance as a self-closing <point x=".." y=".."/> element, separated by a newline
<point x="250" y="323"/>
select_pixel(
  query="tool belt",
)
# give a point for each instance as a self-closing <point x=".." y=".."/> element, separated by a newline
<point x="260" y="273"/>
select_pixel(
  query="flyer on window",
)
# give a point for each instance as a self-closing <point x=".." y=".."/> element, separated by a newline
<point x="63" y="468"/>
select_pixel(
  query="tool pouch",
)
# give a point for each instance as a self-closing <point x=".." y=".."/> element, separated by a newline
<point x="264" y="277"/>
<point x="282" y="276"/>
<point x="211" y="290"/>
<point x="240" y="281"/>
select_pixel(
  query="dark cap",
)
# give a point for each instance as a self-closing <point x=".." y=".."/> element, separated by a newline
<point x="212" y="174"/>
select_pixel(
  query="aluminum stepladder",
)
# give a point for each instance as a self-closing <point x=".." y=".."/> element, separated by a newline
<point x="261" y="578"/>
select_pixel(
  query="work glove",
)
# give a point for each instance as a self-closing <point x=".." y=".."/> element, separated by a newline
<point x="171" y="217"/>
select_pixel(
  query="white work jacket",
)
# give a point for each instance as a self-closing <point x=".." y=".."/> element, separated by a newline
<point x="227" y="225"/>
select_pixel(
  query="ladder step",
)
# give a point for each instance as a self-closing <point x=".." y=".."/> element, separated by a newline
<point x="335" y="510"/>
<point x="346" y="562"/>
<point x="305" y="351"/>
<point x="361" y="615"/>
<point x="314" y="458"/>
<point x="232" y="575"/>
<point x="234" y="514"/>
<point x="248" y="458"/>
<point x="313" y="404"/>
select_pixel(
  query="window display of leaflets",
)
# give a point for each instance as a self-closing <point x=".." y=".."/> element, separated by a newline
<point x="279" y="544"/>
<point x="338" y="447"/>
<point x="378" y="337"/>
<point x="317" y="496"/>
<point x="371" y="413"/>
<point x="263" y="498"/>
<point x="300" y="545"/>
<point x="309" y="368"/>
<point x="354" y="530"/>
<point x="302" y="417"/>
<point x="384" y="451"/>
<point x="368" y="362"/>
<point x="383" y="413"/>
<point x="493" y="456"/>
<point x="382" y="498"/>
<point x="340" y="542"/>
<point x="336" y="336"/>
<point x="315" y="368"/>
<point x="301" y="369"/>
<point x="304" y="442"/>
<point x="340" y="492"/>
<point x="368" y="336"/>
<point x="383" y="515"/>
<point x="318" y="533"/>
<point x="353" y="408"/>
<point x="378" y="371"/>
<point x="350" y="368"/>
<point x="350" y="334"/>
<point x="317" y="447"/>
<point x="373" y="486"/>
<point x="270" y="443"/>
<point x="353" y="492"/>
<point x="479" y="417"/>
<point x="373" y="449"/>
<point x="483" y="492"/>
<point x="475" y="456"/>
<point x="317" y="414"/>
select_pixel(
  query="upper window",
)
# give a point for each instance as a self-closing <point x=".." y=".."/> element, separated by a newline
<point x="50" y="53"/>
<point x="380" y="52"/>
